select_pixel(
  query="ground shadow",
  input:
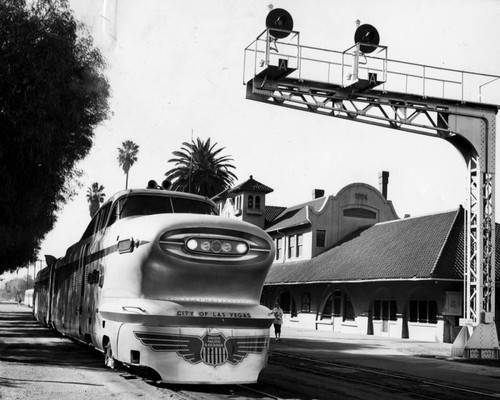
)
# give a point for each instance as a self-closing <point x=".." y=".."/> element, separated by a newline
<point x="24" y="340"/>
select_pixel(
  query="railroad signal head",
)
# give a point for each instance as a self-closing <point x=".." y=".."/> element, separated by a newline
<point x="368" y="37"/>
<point x="279" y="19"/>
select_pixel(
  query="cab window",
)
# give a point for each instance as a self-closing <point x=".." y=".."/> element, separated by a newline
<point x="103" y="216"/>
<point x="145" y="205"/>
<point x="115" y="212"/>
<point x="90" y="228"/>
<point x="192" y="206"/>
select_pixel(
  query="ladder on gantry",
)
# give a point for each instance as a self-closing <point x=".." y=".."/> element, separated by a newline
<point x="414" y="98"/>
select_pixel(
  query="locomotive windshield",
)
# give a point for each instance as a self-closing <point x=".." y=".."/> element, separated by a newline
<point x="148" y="205"/>
<point x="137" y="205"/>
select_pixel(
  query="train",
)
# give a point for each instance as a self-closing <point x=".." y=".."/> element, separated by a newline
<point x="161" y="282"/>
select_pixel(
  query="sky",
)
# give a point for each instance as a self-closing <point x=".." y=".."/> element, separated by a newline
<point x="176" y="71"/>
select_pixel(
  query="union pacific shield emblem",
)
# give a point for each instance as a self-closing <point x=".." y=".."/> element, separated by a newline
<point x="214" y="350"/>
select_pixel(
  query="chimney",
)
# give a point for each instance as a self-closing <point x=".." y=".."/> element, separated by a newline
<point x="383" y="179"/>
<point x="317" y="193"/>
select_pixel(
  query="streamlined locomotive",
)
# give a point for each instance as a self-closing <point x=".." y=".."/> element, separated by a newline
<point x="159" y="280"/>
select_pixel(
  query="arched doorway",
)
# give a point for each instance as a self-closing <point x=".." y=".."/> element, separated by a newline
<point x="336" y="309"/>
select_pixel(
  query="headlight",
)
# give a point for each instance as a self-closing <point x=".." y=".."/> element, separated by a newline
<point x="192" y="244"/>
<point x="216" y="246"/>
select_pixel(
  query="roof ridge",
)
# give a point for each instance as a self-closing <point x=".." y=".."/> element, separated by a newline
<point x="430" y="214"/>
<point x="308" y="203"/>
<point x="445" y="242"/>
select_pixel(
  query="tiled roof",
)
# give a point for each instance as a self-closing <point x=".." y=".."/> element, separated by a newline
<point x="426" y="247"/>
<point x="289" y="219"/>
<point x="271" y="212"/>
<point x="251" y="185"/>
<point x="295" y="216"/>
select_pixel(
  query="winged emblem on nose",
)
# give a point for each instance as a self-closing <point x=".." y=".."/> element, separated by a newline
<point x="213" y="348"/>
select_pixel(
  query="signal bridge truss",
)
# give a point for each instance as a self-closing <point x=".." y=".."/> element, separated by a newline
<point x="443" y="103"/>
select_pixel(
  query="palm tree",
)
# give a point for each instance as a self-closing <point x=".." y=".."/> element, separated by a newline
<point x="127" y="156"/>
<point x="199" y="169"/>
<point x="95" y="197"/>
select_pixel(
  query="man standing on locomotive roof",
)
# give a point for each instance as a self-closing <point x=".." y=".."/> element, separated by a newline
<point x="278" y="320"/>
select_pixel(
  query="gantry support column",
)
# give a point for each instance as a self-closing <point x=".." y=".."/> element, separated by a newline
<point x="478" y="338"/>
<point x="471" y="128"/>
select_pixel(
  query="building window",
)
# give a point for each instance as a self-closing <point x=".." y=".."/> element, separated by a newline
<point x="299" y="245"/>
<point x="257" y="202"/>
<point x="295" y="246"/>
<point x="306" y="303"/>
<point x="423" y="311"/>
<point x="360" y="213"/>
<point x="291" y="246"/>
<point x="320" y="238"/>
<point x="250" y="201"/>
<point x="385" y="310"/>
<point x="279" y="244"/>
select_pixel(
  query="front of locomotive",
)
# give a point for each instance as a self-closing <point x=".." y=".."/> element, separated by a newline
<point x="193" y="310"/>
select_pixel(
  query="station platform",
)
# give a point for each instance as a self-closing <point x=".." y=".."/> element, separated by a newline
<point x="369" y="344"/>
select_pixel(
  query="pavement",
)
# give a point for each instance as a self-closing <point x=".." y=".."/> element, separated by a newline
<point x="425" y="360"/>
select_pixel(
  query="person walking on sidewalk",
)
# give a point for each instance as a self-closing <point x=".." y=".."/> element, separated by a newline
<point x="278" y="320"/>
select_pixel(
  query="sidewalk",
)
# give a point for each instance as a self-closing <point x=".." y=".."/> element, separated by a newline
<point x="379" y="344"/>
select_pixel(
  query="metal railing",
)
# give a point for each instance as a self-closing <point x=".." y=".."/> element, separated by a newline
<point x="332" y="66"/>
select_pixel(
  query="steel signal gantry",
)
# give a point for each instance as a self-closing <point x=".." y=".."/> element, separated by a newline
<point x="413" y="98"/>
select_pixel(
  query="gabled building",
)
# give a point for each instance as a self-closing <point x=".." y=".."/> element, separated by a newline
<point x="346" y="263"/>
<point x="306" y="230"/>
<point x="401" y="278"/>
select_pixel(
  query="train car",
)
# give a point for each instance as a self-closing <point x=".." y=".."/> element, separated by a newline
<point x="160" y="281"/>
<point x="41" y="296"/>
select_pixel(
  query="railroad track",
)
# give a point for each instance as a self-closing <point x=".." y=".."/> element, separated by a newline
<point x="389" y="382"/>
<point x="337" y="381"/>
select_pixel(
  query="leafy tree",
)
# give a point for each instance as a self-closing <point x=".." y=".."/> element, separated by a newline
<point x="95" y="197"/>
<point x="127" y="156"/>
<point x="52" y="96"/>
<point x="200" y="169"/>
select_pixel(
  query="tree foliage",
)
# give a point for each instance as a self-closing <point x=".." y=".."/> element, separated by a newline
<point x="52" y="95"/>
<point x="200" y="169"/>
<point x="127" y="156"/>
<point x="95" y="197"/>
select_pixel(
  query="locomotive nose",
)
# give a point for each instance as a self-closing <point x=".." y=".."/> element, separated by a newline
<point x="210" y="263"/>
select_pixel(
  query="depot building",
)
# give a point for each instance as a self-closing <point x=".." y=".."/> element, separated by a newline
<point x="347" y="263"/>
